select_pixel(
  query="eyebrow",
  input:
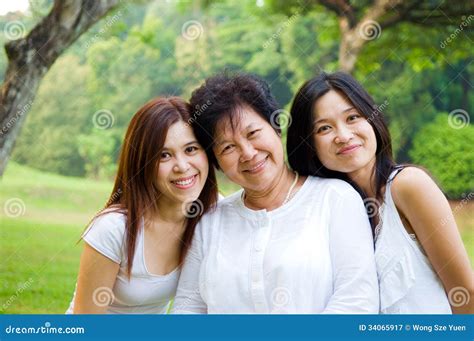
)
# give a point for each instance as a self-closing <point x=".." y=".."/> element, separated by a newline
<point x="187" y="144"/>
<point x="245" y="129"/>
<point x="342" y="112"/>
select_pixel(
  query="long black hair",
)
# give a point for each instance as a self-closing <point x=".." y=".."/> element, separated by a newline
<point x="301" y="150"/>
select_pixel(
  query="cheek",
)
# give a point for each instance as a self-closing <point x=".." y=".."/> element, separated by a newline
<point x="163" y="173"/>
<point x="226" y="162"/>
<point x="371" y="138"/>
<point x="202" y="163"/>
<point x="271" y="143"/>
<point x="229" y="165"/>
<point x="323" y="147"/>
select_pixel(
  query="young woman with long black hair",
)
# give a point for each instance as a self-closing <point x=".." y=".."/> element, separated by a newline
<point x="337" y="131"/>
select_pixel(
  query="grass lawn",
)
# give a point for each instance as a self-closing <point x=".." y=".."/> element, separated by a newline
<point x="39" y="257"/>
<point x="38" y="266"/>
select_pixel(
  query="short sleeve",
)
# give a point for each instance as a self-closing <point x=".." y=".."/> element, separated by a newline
<point x="352" y="256"/>
<point x="106" y="235"/>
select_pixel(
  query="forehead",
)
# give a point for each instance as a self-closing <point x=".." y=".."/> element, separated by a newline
<point x="238" y="121"/>
<point x="331" y="103"/>
<point x="179" y="134"/>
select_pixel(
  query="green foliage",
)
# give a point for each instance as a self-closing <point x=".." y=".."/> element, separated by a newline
<point x="145" y="53"/>
<point x="97" y="149"/>
<point x="447" y="153"/>
<point x="60" y="110"/>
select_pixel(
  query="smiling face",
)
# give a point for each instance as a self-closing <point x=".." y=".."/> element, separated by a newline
<point x="183" y="165"/>
<point x="344" y="140"/>
<point x="251" y="154"/>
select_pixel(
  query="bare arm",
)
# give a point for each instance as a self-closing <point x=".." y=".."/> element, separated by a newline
<point x="97" y="275"/>
<point x="423" y="204"/>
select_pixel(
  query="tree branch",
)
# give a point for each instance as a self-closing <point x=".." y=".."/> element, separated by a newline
<point x="31" y="57"/>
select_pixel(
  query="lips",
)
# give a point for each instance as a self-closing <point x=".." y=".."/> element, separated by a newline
<point x="257" y="167"/>
<point x="184" y="183"/>
<point x="348" y="149"/>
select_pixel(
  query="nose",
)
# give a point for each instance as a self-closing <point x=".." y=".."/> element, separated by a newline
<point x="181" y="165"/>
<point x="247" y="152"/>
<point x="343" y="135"/>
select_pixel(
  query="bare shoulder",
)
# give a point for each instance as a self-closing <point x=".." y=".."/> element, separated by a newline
<point x="419" y="199"/>
<point x="410" y="182"/>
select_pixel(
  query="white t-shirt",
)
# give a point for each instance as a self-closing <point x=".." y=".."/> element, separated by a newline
<point x="314" y="254"/>
<point x="145" y="293"/>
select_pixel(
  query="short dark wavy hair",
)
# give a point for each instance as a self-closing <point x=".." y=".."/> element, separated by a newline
<point x="223" y="96"/>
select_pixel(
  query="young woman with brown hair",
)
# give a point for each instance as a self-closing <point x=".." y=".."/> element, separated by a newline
<point x="134" y="247"/>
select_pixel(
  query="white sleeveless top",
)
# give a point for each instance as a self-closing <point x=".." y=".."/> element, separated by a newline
<point x="145" y="292"/>
<point x="408" y="282"/>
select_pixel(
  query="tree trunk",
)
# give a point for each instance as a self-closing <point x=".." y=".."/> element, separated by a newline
<point x="349" y="47"/>
<point x="356" y="33"/>
<point x="29" y="59"/>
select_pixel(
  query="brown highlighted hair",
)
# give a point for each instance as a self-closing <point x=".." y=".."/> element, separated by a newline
<point x="134" y="191"/>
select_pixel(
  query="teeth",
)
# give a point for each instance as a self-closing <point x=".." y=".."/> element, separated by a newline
<point x="258" y="165"/>
<point x="185" y="182"/>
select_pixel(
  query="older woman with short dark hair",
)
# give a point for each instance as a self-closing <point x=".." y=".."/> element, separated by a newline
<point x="284" y="243"/>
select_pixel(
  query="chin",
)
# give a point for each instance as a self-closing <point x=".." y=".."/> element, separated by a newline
<point x="342" y="168"/>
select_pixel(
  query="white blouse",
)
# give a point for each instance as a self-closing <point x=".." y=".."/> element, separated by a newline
<point x="408" y="282"/>
<point x="312" y="255"/>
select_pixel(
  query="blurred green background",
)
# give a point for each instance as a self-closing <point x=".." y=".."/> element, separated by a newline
<point x="63" y="163"/>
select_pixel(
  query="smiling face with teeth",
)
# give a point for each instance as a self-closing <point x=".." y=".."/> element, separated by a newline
<point x="183" y="166"/>
<point x="251" y="153"/>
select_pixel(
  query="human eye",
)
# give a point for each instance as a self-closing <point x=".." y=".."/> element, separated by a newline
<point x="227" y="149"/>
<point x="191" y="149"/>
<point x="353" y="117"/>
<point x="323" y="129"/>
<point x="254" y="132"/>
<point x="165" y="156"/>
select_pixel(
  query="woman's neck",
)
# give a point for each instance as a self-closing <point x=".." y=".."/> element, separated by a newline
<point x="274" y="196"/>
<point x="364" y="178"/>
<point x="167" y="212"/>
